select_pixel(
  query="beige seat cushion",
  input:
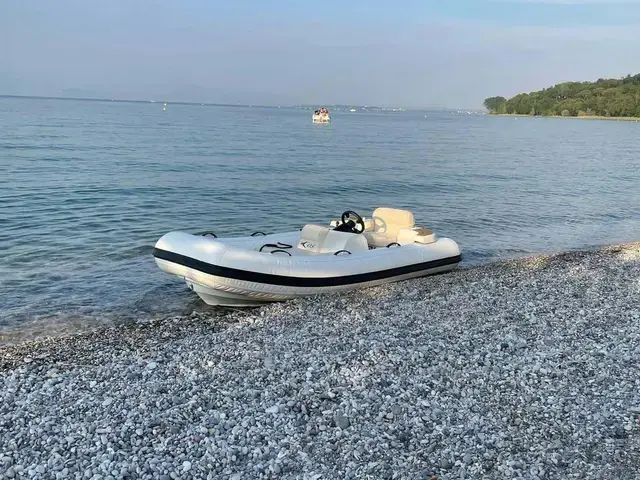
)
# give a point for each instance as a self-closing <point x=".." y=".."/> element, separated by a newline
<point x="387" y="222"/>
<point x="377" y="240"/>
<point x="415" y="235"/>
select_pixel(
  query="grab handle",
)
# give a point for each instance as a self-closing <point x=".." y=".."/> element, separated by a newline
<point x="276" y="245"/>
<point x="280" y="251"/>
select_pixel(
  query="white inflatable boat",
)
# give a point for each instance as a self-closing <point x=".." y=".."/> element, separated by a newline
<point x="353" y="252"/>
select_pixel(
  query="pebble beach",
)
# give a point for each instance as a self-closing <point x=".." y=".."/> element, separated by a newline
<point x="527" y="368"/>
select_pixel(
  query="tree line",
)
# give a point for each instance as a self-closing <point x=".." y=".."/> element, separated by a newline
<point x="606" y="97"/>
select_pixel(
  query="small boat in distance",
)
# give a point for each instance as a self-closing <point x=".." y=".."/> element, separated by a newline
<point x="321" y="116"/>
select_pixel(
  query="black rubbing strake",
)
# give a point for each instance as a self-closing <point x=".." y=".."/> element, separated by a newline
<point x="284" y="280"/>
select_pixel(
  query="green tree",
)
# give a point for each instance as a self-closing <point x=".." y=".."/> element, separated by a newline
<point x="493" y="103"/>
<point x="606" y="97"/>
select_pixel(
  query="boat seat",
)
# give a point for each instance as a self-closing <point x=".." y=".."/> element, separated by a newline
<point x="320" y="239"/>
<point x="387" y="226"/>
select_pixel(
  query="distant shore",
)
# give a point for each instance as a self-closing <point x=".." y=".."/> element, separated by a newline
<point x="585" y="117"/>
<point x="524" y="368"/>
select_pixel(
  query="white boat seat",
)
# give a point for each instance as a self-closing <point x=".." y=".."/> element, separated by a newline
<point x="320" y="239"/>
<point x="387" y="224"/>
<point x="312" y="237"/>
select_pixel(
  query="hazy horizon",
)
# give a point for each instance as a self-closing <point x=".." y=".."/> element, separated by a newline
<point x="84" y="96"/>
<point x="415" y="55"/>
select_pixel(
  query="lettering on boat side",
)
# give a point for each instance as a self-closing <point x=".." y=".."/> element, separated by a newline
<point x="306" y="244"/>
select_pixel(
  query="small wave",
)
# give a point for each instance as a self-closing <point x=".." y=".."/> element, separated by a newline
<point x="66" y="148"/>
<point x="134" y="252"/>
<point x="478" y="255"/>
<point x="167" y="299"/>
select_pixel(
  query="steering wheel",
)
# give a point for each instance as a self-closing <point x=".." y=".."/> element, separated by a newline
<point x="348" y="218"/>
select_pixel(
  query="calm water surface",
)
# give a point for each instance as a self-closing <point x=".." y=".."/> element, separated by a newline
<point x="86" y="188"/>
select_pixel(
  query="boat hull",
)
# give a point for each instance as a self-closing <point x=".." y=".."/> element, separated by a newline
<point x="231" y="272"/>
<point x="217" y="292"/>
<point x="321" y="119"/>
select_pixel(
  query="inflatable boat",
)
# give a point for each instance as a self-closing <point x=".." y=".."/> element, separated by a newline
<point x="352" y="252"/>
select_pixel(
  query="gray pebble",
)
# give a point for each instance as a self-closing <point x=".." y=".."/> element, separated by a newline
<point x="484" y="365"/>
<point x="445" y="463"/>
<point x="342" y="422"/>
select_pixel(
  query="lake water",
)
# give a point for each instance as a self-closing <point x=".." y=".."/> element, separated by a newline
<point x="86" y="188"/>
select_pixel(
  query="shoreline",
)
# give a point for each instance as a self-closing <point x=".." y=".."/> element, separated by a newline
<point x="519" y="367"/>
<point x="16" y="338"/>
<point x="584" y="117"/>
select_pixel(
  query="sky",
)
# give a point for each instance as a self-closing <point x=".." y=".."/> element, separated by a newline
<point x="410" y="53"/>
